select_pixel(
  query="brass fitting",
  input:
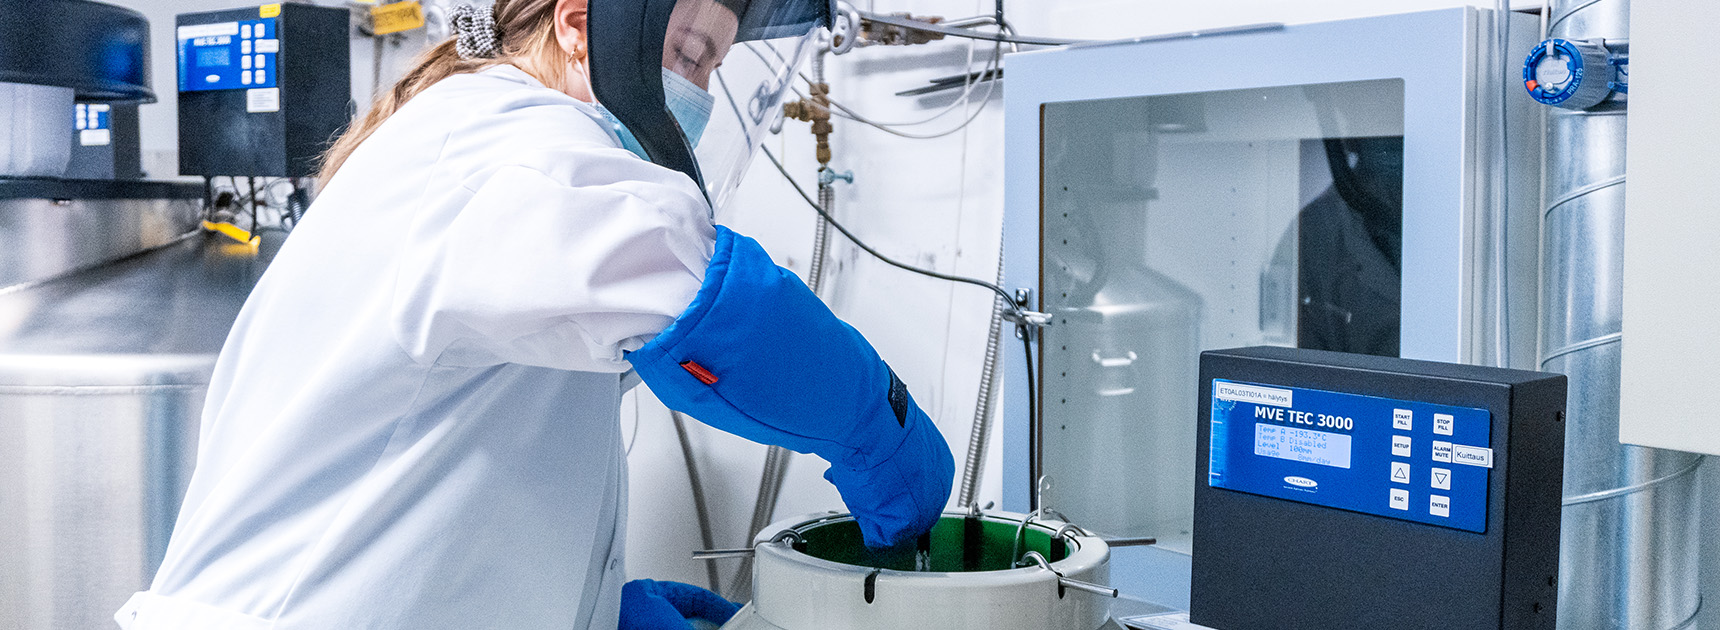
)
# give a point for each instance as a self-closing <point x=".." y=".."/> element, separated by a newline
<point x="875" y="33"/>
<point x="815" y="109"/>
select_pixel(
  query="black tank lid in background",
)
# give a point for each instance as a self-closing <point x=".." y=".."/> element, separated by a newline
<point x="99" y="50"/>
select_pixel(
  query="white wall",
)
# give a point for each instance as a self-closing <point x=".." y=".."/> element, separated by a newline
<point x="935" y="203"/>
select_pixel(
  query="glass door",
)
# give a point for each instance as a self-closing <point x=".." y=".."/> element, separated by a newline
<point x="1172" y="224"/>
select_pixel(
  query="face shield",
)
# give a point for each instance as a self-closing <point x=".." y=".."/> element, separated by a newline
<point x="698" y="83"/>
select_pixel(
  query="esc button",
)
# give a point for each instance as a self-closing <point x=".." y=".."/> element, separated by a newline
<point x="1400" y="499"/>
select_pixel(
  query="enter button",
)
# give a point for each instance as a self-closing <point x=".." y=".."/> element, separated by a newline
<point x="1439" y="506"/>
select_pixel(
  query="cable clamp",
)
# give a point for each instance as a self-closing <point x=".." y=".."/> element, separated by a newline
<point x="1032" y="319"/>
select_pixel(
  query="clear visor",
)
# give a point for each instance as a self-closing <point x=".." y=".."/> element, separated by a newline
<point x="726" y="95"/>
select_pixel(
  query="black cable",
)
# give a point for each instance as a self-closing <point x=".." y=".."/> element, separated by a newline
<point x="298" y="202"/>
<point x="208" y="198"/>
<point x="1026" y="331"/>
<point x="1032" y="404"/>
<point x="1007" y="299"/>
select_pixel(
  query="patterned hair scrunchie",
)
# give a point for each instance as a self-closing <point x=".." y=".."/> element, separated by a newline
<point x="474" y="32"/>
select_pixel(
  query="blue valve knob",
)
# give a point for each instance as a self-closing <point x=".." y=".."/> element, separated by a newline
<point x="1570" y="74"/>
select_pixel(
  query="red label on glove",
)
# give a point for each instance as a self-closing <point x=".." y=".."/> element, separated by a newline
<point x="699" y="372"/>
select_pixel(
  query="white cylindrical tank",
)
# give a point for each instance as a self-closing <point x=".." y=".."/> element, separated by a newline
<point x="815" y="573"/>
<point x="103" y="373"/>
<point x="35" y="130"/>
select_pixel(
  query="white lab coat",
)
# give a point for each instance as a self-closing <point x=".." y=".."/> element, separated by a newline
<point x="414" y="421"/>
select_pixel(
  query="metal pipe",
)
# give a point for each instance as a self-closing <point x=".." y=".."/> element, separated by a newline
<point x="1630" y="536"/>
<point x="821" y="239"/>
<point x="1035" y="558"/>
<point x="719" y="554"/>
<point x="1140" y="541"/>
<point x="980" y="437"/>
<point x="1500" y="183"/>
<point x="699" y="508"/>
<point x="909" y="23"/>
<point x="769" y="489"/>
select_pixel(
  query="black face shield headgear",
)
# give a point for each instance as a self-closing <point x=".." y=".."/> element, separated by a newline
<point x="632" y="42"/>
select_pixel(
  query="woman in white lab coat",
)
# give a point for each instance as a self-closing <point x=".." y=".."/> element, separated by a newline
<point x="413" y="423"/>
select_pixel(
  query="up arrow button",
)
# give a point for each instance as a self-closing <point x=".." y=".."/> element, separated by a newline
<point x="1472" y="456"/>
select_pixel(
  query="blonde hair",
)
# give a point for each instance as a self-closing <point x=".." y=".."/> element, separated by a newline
<point x="526" y="31"/>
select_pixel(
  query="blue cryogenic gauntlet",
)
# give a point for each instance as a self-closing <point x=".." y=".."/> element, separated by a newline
<point x="757" y="354"/>
<point x="655" y="605"/>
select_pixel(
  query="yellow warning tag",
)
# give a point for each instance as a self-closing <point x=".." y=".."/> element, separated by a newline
<point x="398" y="16"/>
<point x="269" y="10"/>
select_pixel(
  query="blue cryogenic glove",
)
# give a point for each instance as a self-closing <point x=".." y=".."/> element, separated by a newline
<point x="757" y="354"/>
<point x="653" y="605"/>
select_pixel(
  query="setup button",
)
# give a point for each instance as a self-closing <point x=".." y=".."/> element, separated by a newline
<point x="1400" y="446"/>
<point x="1439" y="506"/>
<point x="1400" y="499"/>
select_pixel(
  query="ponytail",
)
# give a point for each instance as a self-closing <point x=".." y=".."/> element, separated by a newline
<point x="439" y="63"/>
<point x="528" y="41"/>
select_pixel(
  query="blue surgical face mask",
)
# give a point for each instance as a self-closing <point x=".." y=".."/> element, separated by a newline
<point x="690" y="106"/>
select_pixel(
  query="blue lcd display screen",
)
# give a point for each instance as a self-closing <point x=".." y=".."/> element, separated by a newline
<point x="214" y="57"/>
<point x="239" y="55"/>
<point x="1399" y="459"/>
<point x="1302" y="445"/>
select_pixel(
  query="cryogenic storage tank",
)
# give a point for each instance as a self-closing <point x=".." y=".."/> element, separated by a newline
<point x="102" y="379"/>
<point x="814" y="573"/>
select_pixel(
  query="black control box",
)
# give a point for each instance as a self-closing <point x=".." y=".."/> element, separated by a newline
<point x="1374" y="493"/>
<point x="263" y="91"/>
<point x="105" y="142"/>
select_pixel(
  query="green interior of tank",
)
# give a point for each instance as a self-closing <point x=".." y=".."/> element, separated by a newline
<point x="957" y="545"/>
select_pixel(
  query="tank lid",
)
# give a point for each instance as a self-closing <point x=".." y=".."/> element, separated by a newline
<point x="99" y="50"/>
<point x="71" y="373"/>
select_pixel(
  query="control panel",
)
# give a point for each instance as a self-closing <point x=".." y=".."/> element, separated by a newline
<point x="1402" y="459"/>
<point x="228" y="55"/>
<point x="1348" y="491"/>
<point x="263" y="90"/>
<point x="94" y="124"/>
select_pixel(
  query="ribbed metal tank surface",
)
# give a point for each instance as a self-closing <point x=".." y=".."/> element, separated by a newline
<point x="1631" y="518"/>
<point x="102" y="380"/>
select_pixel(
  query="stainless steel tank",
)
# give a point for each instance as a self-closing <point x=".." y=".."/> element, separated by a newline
<point x="102" y="378"/>
<point x="50" y="227"/>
